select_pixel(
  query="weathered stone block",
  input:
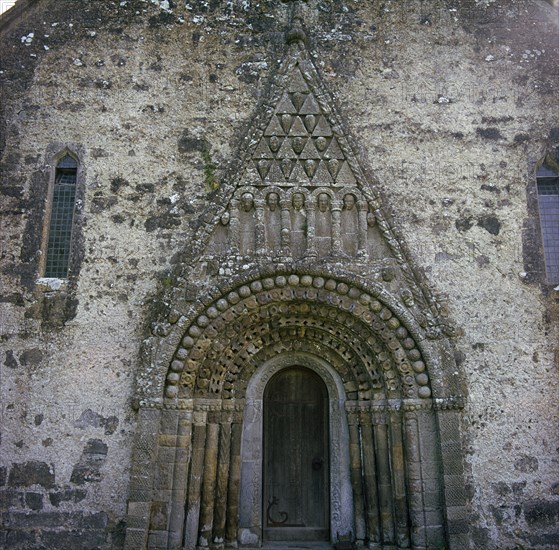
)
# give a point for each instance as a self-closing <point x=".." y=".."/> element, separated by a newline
<point x="135" y="538"/>
<point x="169" y="422"/>
<point x="139" y="509"/>
<point x="31" y="473"/>
<point x="157" y="540"/>
<point x="542" y="513"/>
<point x="73" y="495"/>
<point x="159" y="516"/>
<point x="34" y="501"/>
<point x="70" y="540"/>
<point x="21" y="539"/>
<point x="11" y="498"/>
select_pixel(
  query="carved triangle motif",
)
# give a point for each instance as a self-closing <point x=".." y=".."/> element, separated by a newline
<point x="298" y="195"/>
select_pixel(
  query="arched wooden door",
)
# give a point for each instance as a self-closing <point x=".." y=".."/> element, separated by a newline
<point x="296" y="462"/>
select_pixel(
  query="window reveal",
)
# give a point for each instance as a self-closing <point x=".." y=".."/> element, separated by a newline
<point x="548" y="201"/>
<point x="61" y="218"/>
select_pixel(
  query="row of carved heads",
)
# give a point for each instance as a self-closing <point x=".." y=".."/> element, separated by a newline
<point x="296" y="223"/>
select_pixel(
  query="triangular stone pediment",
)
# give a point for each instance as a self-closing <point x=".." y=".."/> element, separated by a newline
<point x="297" y="194"/>
<point x="301" y="195"/>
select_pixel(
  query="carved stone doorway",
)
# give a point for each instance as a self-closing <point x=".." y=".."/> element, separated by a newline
<point x="393" y="446"/>
<point x="296" y="463"/>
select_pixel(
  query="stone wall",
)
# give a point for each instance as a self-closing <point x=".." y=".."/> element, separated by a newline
<point x="451" y="106"/>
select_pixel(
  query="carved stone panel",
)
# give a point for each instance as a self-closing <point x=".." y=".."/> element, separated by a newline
<point x="297" y="195"/>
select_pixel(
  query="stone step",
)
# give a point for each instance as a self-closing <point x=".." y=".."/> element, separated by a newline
<point x="295" y="545"/>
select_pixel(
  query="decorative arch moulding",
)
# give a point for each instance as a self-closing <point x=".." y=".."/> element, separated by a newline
<point x="379" y="314"/>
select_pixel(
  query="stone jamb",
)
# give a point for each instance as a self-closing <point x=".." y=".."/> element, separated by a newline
<point x="341" y="499"/>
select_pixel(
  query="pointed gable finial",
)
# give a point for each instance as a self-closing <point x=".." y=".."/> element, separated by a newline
<point x="296" y="32"/>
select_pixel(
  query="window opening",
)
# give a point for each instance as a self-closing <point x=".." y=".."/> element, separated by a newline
<point x="547" y="177"/>
<point x="61" y="218"/>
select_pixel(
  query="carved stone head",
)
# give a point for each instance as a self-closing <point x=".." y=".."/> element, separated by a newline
<point x="323" y="202"/>
<point x="298" y="201"/>
<point x="225" y="217"/>
<point x="298" y="145"/>
<point x="349" y="201"/>
<point x="321" y="143"/>
<point x="247" y="201"/>
<point x="273" y="200"/>
<point x="275" y="143"/>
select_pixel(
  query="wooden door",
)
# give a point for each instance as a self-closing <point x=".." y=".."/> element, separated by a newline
<point x="296" y="462"/>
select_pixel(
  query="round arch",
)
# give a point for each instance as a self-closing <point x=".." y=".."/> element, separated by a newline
<point x="400" y="393"/>
<point x="341" y="501"/>
<point x="355" y="315"/>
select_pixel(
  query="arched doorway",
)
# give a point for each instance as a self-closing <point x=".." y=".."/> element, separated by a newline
<point x="395" y="471"/>
<point x="296" y="457"/>
<point x="286" y="377"/>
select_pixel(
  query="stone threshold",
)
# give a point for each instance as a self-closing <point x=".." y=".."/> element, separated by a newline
<point x="295" y="545"/>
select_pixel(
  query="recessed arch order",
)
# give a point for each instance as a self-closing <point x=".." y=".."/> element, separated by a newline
<point x="201" y="423"/>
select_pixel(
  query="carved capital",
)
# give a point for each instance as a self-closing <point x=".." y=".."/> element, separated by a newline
<point x="362" y="206"/>
<point x="337" y="206"/>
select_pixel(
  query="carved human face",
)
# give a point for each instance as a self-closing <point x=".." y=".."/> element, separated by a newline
<point x="273" y="200"/>
<point x="323" y="202"/>
<point x="274" y="143"/>
<point x="298" y="144"/>
<point x="321" y="143"/>
<point x="349" y="202"/>
<point x="225" y="218"/>
<point x="298" y="201"/>
<point x="247" y="200"/>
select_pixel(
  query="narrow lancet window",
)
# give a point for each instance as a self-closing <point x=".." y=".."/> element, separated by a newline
<point x="61" y="218"/>
<point x="548" y="201"/>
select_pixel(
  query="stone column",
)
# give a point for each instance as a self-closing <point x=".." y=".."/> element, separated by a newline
<point x="336" y="227"/>
<point x="311" y="230"/>
<point x="362" y="209"/>
<point x="415" y="480"/>
<point x="223" y="465"/>
<point x="195" y="481"/>
<point x="235" y="227"/>
<point x="399" y="479"/>
<point x="178" y="494"/>
<point x="260" y="228"/>
<point x="232" y="525"/>
<point x="355" y="466"/>
<point x="209" y="480"/>
<point x="384" y="478"/>
<point x="370" y="476"/>
<point x="285" y="227"/>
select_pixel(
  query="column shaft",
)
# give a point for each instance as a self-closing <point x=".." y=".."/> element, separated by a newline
<point x="399" y="480"/>
<point x="231" y="524"/>
<point x="194" y="487"/>
<point x="356" y="478"/>
<point x="384" y="483"/>
<point x="208" y="485"/>
<point x="370" y="475"/>
<point x="180" y="481"/>
<point x="223" y="464"/>
<point x="336" y="228"/>
<point x="311" y="231"/>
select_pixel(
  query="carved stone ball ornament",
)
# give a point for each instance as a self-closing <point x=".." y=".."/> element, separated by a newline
<point x="350" y="325"/>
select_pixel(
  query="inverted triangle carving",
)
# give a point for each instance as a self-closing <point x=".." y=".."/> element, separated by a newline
<point x="299" y="192"/>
